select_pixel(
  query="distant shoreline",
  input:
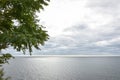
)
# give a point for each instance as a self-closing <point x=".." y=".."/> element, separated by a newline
<point x="38" y="56"/>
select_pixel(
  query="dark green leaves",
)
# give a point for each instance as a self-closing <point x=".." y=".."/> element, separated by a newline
<point x="27" y="33"/>
<point x="5" y="57"/>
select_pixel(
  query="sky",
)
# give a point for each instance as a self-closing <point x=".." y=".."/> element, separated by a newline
<point x="80" y="27"/>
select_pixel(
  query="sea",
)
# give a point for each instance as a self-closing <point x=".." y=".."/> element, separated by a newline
<point x="63" y="68"/>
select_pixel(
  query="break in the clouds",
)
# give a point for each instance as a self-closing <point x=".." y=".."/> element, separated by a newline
<point x="81" y="27"/>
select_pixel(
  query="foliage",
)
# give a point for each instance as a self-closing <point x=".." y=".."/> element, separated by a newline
<point x="19" y="28"/>
<point x="2" y="75"/>
<point x="18" y="24"/>
<point x="5" y="57"/>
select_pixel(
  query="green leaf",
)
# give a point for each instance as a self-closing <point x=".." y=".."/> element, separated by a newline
<point x="28" y="33"/>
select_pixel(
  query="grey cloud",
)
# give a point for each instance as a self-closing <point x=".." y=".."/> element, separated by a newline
<point x="105" y="3"/>
<point x="77" y="44"/>
<point x="82" y="39"/>
<point x="77" y="27"/>
<point x="105" y="6"/>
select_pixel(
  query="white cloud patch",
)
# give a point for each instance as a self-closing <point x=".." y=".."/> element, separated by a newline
<point x="110" y="42"/>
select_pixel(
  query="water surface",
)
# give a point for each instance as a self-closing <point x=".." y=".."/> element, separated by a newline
<point x="63" y="68"/>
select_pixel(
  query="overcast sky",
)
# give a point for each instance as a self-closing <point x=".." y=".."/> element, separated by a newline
<point x="81" y="27"/>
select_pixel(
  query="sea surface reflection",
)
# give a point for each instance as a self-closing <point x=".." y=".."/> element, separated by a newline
<point x="63" y="68"/>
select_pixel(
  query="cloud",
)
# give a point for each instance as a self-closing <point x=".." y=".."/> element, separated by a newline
<point x="81" y="27"/>
<point x="96" y="26"/>
<point x="105" y="6"/>
<point x="111" y="42"/>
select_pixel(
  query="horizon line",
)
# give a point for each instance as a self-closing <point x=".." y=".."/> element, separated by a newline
<point x="66" y="55"/>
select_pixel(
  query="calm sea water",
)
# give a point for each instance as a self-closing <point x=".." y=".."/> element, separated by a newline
<point x="63" y="68"/>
